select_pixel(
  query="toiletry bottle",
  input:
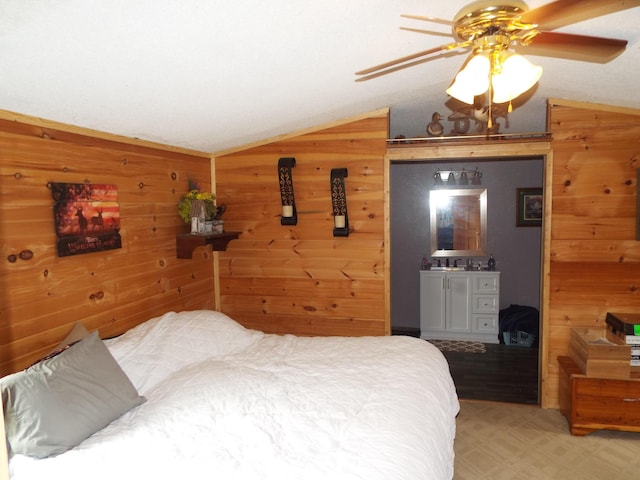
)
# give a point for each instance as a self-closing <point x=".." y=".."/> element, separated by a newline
<point x="491" y="263"/>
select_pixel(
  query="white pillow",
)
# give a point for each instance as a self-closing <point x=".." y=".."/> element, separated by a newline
<point x="151" y="351"/>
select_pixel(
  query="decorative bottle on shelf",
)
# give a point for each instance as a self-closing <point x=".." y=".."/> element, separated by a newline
<point x="491" y="264"/>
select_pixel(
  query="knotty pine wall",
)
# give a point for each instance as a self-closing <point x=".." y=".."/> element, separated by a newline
<point x="594" y="257"/>
<point x="300" y="279"/>
<point x="293" y="279"/>
<point x="111" y="291"/>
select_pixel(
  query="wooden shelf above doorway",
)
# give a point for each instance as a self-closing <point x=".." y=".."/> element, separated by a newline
<point x="186" y="243"/>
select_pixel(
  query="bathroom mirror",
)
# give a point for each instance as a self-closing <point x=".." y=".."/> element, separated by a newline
<point x="458" y="222"/>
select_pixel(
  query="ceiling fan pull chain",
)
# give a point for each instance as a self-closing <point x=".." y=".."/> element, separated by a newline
<point x="492" y="66"/>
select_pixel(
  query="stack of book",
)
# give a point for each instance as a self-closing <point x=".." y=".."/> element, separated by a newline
<point x="624" y="328"/>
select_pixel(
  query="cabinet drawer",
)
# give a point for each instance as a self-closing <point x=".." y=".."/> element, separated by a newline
<point x="486" y="283"/>
<point x="485" y="304"/>
<point x="485" y="323"/>
<point x="607" y="402"/>
<point x="592" y="403"/>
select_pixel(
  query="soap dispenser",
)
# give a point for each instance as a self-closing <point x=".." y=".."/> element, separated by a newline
<point x="491" y="264"/>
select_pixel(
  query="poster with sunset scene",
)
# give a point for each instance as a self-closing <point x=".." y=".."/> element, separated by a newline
<point x="87" y="217"/>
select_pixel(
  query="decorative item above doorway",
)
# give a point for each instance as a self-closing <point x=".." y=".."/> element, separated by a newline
<point x="529" y="207"/>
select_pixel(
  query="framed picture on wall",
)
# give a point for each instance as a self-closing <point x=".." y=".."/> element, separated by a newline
<point x="529" y="207"/>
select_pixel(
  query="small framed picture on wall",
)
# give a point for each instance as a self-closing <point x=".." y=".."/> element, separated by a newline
<point x="529" y="207"/>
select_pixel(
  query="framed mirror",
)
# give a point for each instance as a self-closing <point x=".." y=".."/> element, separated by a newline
<point x="458" y="222"/>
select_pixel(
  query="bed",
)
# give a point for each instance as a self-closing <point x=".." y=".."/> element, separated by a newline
<point x="209" y="398"/>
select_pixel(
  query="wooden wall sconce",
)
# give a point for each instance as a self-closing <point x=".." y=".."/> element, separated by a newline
<point x="289" y="214"/>
<point x="339" y="202"/>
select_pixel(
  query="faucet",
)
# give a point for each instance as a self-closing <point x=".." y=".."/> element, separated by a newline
<point x="455" y="262"/>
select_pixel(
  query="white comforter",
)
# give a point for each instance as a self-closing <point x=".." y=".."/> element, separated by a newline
<point x="225" y="402"/>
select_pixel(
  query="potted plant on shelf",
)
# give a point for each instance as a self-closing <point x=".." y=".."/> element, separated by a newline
<point x="200" y="210"/>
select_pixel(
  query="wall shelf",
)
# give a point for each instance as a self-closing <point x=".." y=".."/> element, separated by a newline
<point x="186" y="243"/>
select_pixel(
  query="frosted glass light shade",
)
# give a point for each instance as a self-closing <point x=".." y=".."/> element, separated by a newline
<point x="517" y="76"/>
<point x="472" y="80"/>
<point x="513" y="76"/>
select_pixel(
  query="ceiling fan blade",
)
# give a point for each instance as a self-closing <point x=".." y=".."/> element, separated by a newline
<point x="578" y="47"/>
<point x="428" y="32"/>
<point x="565" y="12"/>
<point x="382" y="66"/>
<point x="396" y="68"/>
<point x="429" y="19"/>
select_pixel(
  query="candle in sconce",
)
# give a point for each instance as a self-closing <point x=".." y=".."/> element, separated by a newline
<point x="339" y="221"/>
<point x="287" y="210"/>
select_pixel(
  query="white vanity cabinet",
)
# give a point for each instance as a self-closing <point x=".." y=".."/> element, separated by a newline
<point x="459" y="305"/>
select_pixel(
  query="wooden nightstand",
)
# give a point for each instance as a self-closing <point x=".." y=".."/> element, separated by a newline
<point x="591" y="403"/>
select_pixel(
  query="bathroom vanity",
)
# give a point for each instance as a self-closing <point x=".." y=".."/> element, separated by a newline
<point x="456" y="304"/>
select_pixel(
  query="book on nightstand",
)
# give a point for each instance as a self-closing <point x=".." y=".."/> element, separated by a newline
<point x="632" y="341"/>
<point x="625" y="323"/>
<point x="619" y="337"/>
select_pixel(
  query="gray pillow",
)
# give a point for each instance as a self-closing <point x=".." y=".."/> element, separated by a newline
<point x="57" y="403"/>
<point x="78" y="332"/>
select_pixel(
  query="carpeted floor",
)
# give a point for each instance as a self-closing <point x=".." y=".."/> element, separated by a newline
<point x="499" y="441"/>
<point x="459" y="346"/>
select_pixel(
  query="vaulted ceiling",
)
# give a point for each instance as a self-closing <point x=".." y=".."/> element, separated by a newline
<point x="212" y="75"/>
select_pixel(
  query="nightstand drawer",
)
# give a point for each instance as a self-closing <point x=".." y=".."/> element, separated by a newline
<point x="592" y="403"/>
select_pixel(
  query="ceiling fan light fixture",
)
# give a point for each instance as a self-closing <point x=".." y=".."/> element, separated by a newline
<point x="516" y="75"/>
<point x="472" y="79"/>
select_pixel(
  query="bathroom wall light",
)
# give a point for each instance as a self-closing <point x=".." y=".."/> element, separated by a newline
<point x="450" y="178"/>
<point x="339" y="202"/>
<point x="289" y="213"/>
<point x="476" y="179"/>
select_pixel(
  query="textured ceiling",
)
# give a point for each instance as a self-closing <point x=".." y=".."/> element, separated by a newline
<point x="212" y="75"/>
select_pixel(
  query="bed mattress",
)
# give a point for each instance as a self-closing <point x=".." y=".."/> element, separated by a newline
<point x="227" y="402"/>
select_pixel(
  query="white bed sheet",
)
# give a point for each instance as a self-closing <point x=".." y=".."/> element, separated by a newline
<point x="225" y="402"/>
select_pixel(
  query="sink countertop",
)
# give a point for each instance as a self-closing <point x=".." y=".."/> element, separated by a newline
<point x="455" y="269"/>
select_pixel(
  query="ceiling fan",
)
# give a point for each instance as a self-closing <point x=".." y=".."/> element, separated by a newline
<point x="493" y="30"/>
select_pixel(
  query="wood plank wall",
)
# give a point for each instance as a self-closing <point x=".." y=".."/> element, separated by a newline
<point x="300" y="279"/>
<point x="594" y="254"/>
<point x="111" y="291"/>
<point x="289" y="279"/>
